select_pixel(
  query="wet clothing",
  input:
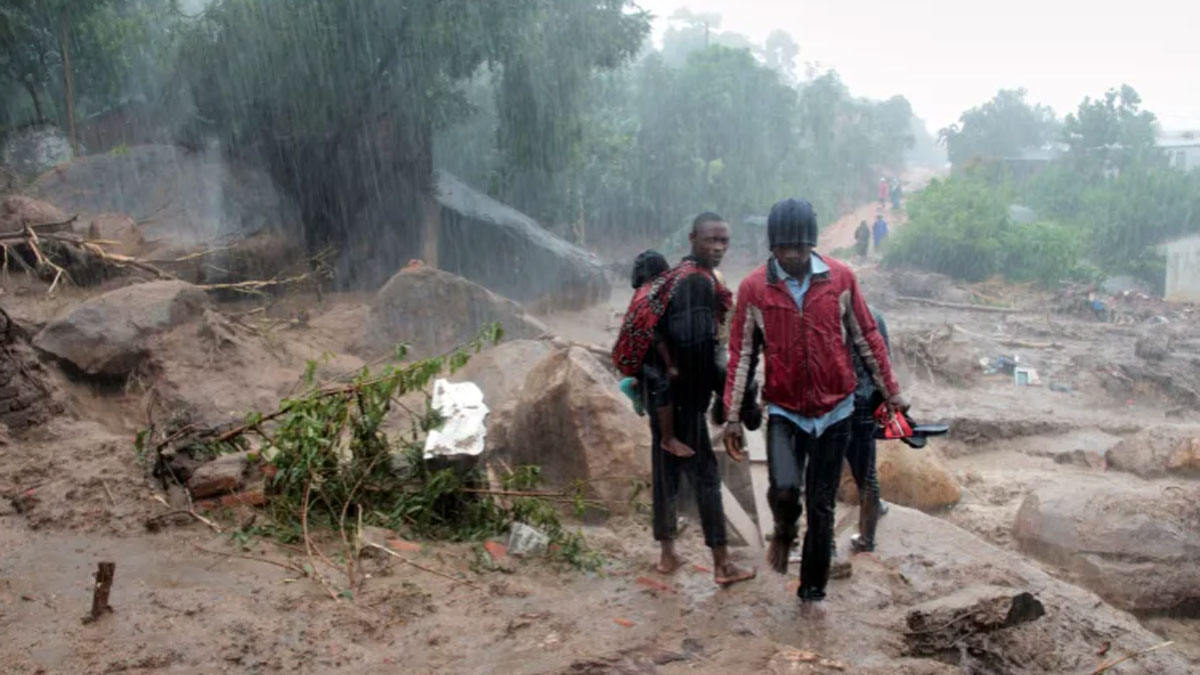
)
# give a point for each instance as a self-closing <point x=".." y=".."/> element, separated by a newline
<point x="862" y="239"/>
<point x="807" y="328"/>
<point x="802" y="464"/>
<point x="689" y="328"/>
<point x="808" y="366"/>
<point x="702" y="472"/>
<point x="880" y="230"/>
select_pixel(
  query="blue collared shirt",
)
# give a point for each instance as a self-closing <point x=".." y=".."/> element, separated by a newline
<point x="814" y="426"/>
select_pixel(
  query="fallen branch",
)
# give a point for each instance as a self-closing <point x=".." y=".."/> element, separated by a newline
<point x="423" y="568"/>
<point x="963" y="306"/>
<point x="1019" y="344"/>
<point x="191" y="512"/>
<point x="287" y="566"/>
<point x="1147" y="650"/>
<point x="46" y="227"/>
<point x="308" y="545"/>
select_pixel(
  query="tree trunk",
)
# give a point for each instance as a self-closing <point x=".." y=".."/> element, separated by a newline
<point x="37" y="102"/>
<point x="66" y="54"/>
<point x="431" y="227"/>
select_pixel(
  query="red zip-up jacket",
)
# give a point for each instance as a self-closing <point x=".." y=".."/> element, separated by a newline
<point x="809" y="369"/>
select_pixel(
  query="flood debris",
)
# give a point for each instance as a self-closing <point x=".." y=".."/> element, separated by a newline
<point x="966" y="619"/>
<point x="104" y="581"/>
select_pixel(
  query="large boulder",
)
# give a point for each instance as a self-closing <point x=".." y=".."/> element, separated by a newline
<point x="497" y="246"/>
<point x="107" y="335"/>
<point x="1137" y="546"/>
<point x="181" y="196"/>
<point x="1158" y="451"/>
<point x="434" y="311"/>
<point x="500" y="371"/>
<point x="909" y="477"/>
<point x="572" y="420"/>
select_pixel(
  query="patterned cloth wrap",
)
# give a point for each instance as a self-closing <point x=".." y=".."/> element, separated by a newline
<point x="649" y="304"/>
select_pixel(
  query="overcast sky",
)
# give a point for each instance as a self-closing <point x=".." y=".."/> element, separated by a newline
<point x="947" y="56"/>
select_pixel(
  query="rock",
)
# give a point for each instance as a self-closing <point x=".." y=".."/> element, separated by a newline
<point x="930" y="563"/>
<point x="1085" y="458"/>
<point x="253" y="497"/>
<point x="106" y="335"/>
<point x="909" y="477"/>
<point x="967" y="616"/>
<point x="434" y="311"/>
<point x="1137" y="546"/>
<point x="1159" y="451"/>
<point x="35" y="149"/>
<point x="1154" y="345"/>
<point x="221" y="475"/>
<point x="500" y="371"/>
<point x="182" y="196"/>
<point x="505" y="250"/>
<point x="116" y="227"/>
<point x="17" y="211"/>
<point x="572" y="421"/>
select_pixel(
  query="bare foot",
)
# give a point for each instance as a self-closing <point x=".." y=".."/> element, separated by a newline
<point x="668" y="562"/>
<point x="729" y="574"/>
<point x="677" y="447"/>
<point x="777" y="556"/>
<point x="813" y="610"/>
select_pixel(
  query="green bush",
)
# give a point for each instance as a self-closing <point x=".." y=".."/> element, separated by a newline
<point x="957" y="227"/>
<point x="961" y="227"/>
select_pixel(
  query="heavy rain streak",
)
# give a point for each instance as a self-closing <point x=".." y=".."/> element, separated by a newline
<point x="599" y="336"/>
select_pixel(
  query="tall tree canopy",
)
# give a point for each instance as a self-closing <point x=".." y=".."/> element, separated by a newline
<point x="1112" y="130"/>
<point x="1003" y="127"/>
<point x="341" y="99"/>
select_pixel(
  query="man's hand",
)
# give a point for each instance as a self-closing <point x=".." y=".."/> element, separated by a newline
<point x="898" y="403"/>
<point x="673" y="373"/>
<point x="735" y="441"/>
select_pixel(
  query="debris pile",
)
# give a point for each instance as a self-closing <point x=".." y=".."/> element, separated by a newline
<point x="26" y="397"/>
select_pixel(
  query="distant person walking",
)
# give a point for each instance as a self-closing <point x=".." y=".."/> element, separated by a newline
<point x="879" y="230"/>
<point x="883" y="192"/>
<point x="862" y="239"/>
<point x="897" y="192"/>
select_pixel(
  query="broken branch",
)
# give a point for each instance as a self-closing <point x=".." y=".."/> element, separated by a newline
<point x="423" y="568"/>
<point x="963" y="306"/>
<point x="1147" y="650"/>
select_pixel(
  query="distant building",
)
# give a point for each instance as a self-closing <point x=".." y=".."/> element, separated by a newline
<point x="1182" y="148"/>
<point x="1183" y="270"/>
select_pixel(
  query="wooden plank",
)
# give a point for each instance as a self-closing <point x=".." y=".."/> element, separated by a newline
<point x="739" y="520"/>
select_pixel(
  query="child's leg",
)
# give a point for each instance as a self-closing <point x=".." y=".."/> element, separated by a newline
<point x="666" y="423"/>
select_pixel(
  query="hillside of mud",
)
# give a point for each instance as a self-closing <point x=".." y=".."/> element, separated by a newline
<point x="1061" y="535"/>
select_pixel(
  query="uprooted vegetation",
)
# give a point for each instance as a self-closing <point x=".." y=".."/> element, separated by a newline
<point x="329" y="465"/>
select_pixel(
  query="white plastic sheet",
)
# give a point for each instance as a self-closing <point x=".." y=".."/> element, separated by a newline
<point x="465" y="430"/>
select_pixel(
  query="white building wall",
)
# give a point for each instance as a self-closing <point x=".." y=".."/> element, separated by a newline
<point x="1183" y="270"/>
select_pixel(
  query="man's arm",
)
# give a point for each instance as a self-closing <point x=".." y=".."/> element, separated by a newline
<point x="869" y="342"/>
<point x="743" y="348"/>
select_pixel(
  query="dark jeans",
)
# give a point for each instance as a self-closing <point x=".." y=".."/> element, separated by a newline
<point x="795" y="459"/>
<point x="701" y="469"/>
<point x="860" y="454"/>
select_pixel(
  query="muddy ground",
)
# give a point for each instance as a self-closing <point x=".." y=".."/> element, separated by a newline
<point x="189" y="600"/>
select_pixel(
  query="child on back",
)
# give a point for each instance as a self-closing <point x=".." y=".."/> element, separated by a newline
<point x="652" y="388"/>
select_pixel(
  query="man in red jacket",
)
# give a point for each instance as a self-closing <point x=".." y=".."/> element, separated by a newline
<point x="804" y="311"/>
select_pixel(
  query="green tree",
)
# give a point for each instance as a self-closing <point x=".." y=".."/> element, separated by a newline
<point x="1111" y="132"/>
<point x="341" y="100"/>
<point x="1002" y="127"/>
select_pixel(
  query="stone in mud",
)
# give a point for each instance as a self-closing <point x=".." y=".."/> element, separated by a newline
<point x="107" y="335"/>
<point x="500" y="371"/>
<point x="18" y="210"/>
<point x="434" y="311"/>
<point x="572" y="421"/>
<point x="1137" y="546"/>
<point x="221" y="475"/>
<point x="1159" y="451"/>
<point x="909" y="477"/>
